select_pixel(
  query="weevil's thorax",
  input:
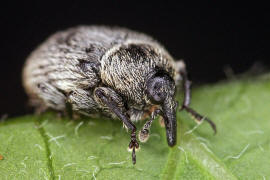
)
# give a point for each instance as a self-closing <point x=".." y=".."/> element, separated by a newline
<point x="126" y="68"/>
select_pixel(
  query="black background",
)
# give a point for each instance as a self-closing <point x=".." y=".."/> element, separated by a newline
<point x="208" y="37"/>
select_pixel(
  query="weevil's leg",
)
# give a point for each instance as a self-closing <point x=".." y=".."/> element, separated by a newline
<point x="37" y="104"/>
<point x="187" y="91"/>
<point x="181" y="69"/>
<point x="39" y="109"/>
<point x="182" y="75"/>
<point x="109" y="101"/>
<point x="187" y="96"/>
<point x="81" y="101"/>
<point x="48" y="97"/>
<point x="144" y="132"/>
<point x="161" y="122"/>
<point x="148" y="114"/>
<point x="68" y="112"/>
<point x="199" y="118"/>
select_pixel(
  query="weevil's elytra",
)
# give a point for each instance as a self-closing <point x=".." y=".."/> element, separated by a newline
<point x="111" y="71"/>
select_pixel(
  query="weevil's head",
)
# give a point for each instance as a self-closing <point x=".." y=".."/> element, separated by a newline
<point x="160" y="89"/>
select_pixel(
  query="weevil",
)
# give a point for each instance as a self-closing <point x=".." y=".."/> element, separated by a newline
<point x="112" y="71"/>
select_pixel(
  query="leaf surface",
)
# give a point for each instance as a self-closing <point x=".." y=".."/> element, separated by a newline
<point x="48" y="147"/>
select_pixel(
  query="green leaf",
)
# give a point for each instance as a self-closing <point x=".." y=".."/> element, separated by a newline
<point x="48" y="147"/>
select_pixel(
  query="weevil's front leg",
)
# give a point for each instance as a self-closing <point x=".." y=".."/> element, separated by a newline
<point x="144" y="132"/>
<point x="109" y="101"/>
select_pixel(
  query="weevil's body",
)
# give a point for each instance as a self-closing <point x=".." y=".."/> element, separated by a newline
<point x="71" y="64"/>
<point x="113" y="71"/>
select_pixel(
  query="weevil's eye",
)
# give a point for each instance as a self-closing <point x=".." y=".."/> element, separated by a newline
<point x="159" y="87"/>
<point x="156" y="92"/>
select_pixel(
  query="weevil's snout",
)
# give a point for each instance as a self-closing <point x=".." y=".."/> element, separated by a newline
<point x="169" y="114"/>
<point x="161" y="91"/>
